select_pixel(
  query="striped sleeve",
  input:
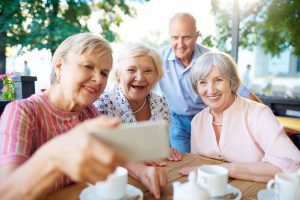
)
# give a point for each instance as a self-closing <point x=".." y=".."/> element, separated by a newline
<point x="16" y="132"/>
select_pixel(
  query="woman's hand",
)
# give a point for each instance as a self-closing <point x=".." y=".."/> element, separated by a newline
<point x="82" y="156"/>
<point x="158" y="163"/>
<point x="77" y="153"/>
<point x="174" y="155"/>
<point x="154" y="179"/>
<point x="185" y="171"/>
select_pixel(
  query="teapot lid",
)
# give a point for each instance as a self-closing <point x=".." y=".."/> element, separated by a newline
<point x="192" y="189"/>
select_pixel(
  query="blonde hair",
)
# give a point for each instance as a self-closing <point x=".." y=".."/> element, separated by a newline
<point x="132" y="50"/>
<point x="78" y="44"/>
<point x="223" y="62"/>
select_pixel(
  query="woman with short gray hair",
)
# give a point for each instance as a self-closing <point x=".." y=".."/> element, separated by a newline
<point x="233" y="128"/>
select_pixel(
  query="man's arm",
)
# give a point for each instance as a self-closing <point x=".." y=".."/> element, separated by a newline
<point x="253" y="97"/>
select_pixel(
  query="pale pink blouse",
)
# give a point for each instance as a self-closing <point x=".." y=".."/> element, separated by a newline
<point x="250" y="133"/>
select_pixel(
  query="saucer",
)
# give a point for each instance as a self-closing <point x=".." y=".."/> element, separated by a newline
<point x="230" y="188"/>
<point x="89" y="193"/>
<point x="266" y="194"/>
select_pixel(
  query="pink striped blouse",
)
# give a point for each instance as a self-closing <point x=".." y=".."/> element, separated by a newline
<point x="27" y="124"/>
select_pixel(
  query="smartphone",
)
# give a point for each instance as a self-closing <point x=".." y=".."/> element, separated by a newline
<point x="140" y="141"/>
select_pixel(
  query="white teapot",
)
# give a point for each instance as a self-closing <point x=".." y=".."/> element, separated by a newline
<point x="189" y="190"/>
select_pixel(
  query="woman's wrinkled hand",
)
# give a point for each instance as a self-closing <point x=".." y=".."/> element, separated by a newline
<point x="83" y="156"/>
<point x="156" y="163"/>
<point x="154" y="179"/>
<point x="185" y="171"/>
<point x="174" y="155"/>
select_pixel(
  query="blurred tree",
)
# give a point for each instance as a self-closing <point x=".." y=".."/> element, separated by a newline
<point x="46" y="23"/>
<point x="274" y="24"/>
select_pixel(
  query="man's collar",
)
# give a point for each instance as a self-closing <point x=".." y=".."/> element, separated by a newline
<point x="196" y="53"/>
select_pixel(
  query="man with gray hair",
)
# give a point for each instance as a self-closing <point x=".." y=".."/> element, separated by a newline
<point x="178" y="57"/>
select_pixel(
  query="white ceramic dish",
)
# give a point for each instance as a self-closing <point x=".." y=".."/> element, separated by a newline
<point x="266" y="194"/>
<point x="89" y="193"/>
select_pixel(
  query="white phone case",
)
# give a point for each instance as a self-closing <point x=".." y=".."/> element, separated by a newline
<point x="140" y="141"/>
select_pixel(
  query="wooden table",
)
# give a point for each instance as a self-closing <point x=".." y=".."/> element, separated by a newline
<point x="290" y="124"/>
<point x="249" y="189"/>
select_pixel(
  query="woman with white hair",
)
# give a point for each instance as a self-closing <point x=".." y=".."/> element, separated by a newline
<point x="234" y="129"/>
<point x="137" y="69"/>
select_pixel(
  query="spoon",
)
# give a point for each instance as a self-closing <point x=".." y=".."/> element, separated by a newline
<point x="135" y="197"/>
<point x="231" y="195"/>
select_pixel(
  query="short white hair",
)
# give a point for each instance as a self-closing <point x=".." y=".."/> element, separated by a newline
<point x="223" y="62"/>
<point x="132" y="50"/>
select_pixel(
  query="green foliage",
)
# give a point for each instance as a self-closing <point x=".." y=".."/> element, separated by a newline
<point x="275" y="24"/>
<point x="8" y="91"/>
<point x="46" y="23"/>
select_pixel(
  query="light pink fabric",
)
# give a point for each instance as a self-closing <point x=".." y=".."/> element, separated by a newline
<point x="27" y="124"/>
<point x="250" y="133"/>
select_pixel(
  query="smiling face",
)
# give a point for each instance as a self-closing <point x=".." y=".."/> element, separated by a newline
<point x="215" y="91"/>
<point x="183" y="34"/>
<point x="83" y="77"/>
<point x="136" y="77"/>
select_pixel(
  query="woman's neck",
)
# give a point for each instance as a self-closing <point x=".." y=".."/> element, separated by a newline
<point x="218" y="114"/>
<point x="56" y="96"/>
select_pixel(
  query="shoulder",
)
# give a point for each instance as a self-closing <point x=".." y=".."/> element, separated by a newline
<point x="25" y="104"/>
<point x="108" y="102"/>
<point x="165" y="51"/>
<point x="157" y="99"/>
<point x="107" y="97"/>
<point x="243" y="90"/>
<point x="159" y="107"/>
<point x="158" y="104"/>
<point x="253" y="108"/>
<point x="198" y="118"/>
<point x="21" y="112"/>
<point x="202" y="48"/>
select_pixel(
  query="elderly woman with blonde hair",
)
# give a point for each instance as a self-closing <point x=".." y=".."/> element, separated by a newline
<point x="234" y="129"/>
<point x="44" y="143"/>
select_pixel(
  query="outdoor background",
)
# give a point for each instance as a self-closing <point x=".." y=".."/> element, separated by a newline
<point x="274" y="73"/>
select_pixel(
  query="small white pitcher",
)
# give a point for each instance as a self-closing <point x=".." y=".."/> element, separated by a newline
<point x="189" y="190"/>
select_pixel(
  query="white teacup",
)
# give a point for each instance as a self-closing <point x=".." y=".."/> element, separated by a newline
<point x="286" y="186"/>
<point x="213" y="178"/>
<point x="114" y="187"/>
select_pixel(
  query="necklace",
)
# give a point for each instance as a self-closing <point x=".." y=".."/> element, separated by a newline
<point x="217" y="124"/>
<point x="140" y="108"/>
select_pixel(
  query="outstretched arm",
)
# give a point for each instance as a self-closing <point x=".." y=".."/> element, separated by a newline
<point x="253" y="97"/>
<point x="78" y="154"/>
<point x="257" y="171"/>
